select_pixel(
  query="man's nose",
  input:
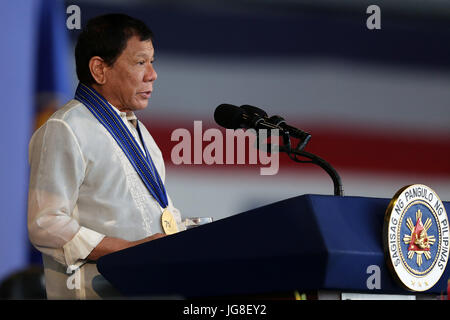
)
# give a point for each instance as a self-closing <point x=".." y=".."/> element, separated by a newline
<point x="150" y="74"/>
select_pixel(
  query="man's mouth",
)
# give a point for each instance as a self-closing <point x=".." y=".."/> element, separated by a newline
<point x="145" y="94"/>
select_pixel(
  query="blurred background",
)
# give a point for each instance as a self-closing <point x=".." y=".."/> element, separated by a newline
<point x="376" y="102"/>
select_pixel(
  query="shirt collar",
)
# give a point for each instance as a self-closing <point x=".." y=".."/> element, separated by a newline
<point x="130" y="116"/>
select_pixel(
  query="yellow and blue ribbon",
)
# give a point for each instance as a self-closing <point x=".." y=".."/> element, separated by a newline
<point x="143" y="164"/>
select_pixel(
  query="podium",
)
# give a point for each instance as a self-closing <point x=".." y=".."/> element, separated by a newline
<point x="306" y="243"/>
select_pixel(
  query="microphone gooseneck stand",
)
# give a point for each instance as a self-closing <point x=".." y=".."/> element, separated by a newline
<point x="295" y="153"/>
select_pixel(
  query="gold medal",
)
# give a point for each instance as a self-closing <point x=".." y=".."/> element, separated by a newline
<point x="168" y="222"/>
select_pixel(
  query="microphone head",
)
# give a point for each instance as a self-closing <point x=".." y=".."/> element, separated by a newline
<point x="229" y="116"/>
<point x="277" y="120"/>
<point x="254" y="110"/>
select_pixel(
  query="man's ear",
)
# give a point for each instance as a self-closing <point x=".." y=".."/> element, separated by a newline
<point x="98" y="67"/>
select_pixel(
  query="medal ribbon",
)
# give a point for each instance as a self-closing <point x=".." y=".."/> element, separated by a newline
<point x="143" y="164"/>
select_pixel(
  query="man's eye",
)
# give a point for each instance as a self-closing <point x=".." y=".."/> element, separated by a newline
<point x="141" y="63"/>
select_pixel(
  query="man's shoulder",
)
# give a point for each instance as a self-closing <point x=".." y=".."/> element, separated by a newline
<point x="71" y="111"/>
<point x="72" y="116"/>
<point x="76" y="116"/>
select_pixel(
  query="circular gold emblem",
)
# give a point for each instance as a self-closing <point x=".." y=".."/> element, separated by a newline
<point x="416" y="237"/>
<point x="168" y="222"/>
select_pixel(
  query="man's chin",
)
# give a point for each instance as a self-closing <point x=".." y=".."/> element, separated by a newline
<point x="140" y="105"/>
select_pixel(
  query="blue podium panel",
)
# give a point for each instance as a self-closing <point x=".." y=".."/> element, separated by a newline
<point x="352" y="231"/>
<point x="308" y="242"/>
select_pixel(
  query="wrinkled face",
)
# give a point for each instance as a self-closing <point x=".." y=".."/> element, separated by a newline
<point x="129" y="81"/>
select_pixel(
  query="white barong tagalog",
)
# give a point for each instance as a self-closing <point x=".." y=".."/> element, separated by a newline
<point x="83" y="188"/>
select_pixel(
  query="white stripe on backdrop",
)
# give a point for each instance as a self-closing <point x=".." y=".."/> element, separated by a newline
<point x="335" y="91"/>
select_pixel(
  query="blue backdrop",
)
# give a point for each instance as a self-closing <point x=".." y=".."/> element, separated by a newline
<point x="33" y="62"/>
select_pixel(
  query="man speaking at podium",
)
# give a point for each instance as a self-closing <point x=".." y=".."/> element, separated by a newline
<point x="96" y="174"/>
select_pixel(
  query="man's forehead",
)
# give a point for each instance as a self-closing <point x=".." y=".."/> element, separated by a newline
<point x="137" y="47"/>
<point x="144" y="53"/>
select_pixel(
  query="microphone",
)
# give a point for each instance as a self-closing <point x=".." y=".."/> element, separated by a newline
<point x="277" y="121"/>
<point x="233" y="117"/>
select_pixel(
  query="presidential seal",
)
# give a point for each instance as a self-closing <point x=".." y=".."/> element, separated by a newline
<point x="416" y="237"/>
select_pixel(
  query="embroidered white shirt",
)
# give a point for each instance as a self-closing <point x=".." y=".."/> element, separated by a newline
<point x="83" y="188"/>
